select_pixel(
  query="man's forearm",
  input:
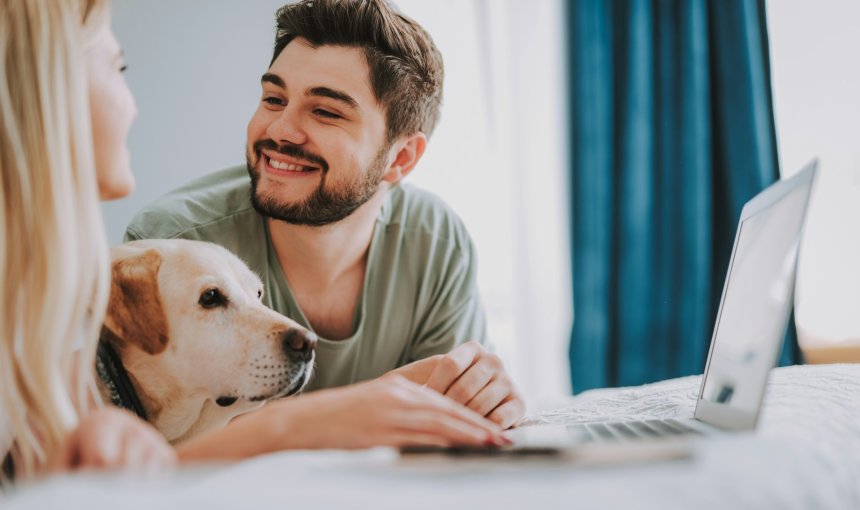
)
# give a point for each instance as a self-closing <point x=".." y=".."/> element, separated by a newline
<point x="256" y="433"/>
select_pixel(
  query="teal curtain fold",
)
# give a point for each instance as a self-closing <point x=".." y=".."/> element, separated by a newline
<point x="672" y="132"/>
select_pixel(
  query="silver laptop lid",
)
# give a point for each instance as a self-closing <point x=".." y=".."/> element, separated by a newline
<point x="756" y="303"/>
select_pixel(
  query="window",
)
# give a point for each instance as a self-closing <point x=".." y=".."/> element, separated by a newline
<point x="816" y="74"/>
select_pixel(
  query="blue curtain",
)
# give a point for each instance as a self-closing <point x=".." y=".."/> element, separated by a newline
<point x="672" y="131"/>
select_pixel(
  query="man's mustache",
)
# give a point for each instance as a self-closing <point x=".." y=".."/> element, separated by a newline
<point x="289" y="150"/>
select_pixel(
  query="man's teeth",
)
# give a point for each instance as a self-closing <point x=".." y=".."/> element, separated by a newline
<point x="280" y="165"/>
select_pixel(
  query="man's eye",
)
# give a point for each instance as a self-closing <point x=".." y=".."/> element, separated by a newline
<point x="327" y="114"/>
<point x="274" y="101"/>
<point x="212" y="298"/>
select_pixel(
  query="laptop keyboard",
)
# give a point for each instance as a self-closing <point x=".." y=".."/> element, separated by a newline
<point x="631" y="430"/>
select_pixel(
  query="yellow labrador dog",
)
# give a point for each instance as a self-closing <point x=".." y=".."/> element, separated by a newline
<point x="187" y="343"/>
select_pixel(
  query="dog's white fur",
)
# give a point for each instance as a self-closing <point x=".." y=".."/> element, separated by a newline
<point x="182" y="356"/>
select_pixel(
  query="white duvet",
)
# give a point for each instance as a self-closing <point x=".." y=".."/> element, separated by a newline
<point x="804" y="455"/>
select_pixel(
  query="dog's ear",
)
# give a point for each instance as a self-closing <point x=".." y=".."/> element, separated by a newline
<point x="135" y="314"/>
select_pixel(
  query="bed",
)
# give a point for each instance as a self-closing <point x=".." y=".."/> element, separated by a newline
<point x="805" y="454"/>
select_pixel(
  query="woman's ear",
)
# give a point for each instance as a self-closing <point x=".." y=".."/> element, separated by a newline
<point x="409" y="151"/>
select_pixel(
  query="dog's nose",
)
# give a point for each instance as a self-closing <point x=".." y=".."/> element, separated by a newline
<point x="299" y="344"/>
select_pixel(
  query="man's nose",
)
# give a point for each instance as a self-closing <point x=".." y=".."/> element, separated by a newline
<point x="287" y="128"/>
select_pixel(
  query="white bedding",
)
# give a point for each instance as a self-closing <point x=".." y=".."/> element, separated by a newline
<point x="805" y="455"/>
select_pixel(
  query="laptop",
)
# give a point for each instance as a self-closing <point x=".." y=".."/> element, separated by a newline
<point x="748" y="334"/>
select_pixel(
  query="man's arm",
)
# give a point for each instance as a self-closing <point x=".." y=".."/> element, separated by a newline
<point x="388" y="411"/>
<point x="449" y="354"/>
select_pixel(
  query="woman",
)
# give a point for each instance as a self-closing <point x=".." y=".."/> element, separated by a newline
<point x="65" y="111"/>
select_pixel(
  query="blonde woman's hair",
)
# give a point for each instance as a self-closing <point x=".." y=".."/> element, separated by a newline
<point x="53" y="252"/>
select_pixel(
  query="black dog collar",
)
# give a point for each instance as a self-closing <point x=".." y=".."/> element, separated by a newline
<point x="115" y="378"/>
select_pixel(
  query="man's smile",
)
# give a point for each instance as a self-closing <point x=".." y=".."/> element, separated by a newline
<point x="280" y="164"/>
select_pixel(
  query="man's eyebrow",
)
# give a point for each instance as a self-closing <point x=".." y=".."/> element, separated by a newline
<point x="330" y="93"/>
<point x="273" y="79"/>
<point x="337" y="95"/>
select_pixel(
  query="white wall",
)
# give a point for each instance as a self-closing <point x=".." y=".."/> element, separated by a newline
<point x="498" y="156"/>
<point x="499" y="159"/>
<point x="816" y="84"/>
<point x="194" y="69"/>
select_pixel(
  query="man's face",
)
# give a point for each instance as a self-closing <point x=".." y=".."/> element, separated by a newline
<point x="317" y="143"/>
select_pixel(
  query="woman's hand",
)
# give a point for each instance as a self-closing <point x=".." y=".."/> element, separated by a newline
<point x="110" y="439"/>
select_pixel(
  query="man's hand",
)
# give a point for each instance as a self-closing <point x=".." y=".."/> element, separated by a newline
<point x="112" y="439"/>
<point x="475" y="378"/>
<point x="387" y="411"/>
<point x="418" y="371"/>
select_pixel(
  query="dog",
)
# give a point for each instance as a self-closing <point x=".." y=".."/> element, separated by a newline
<point x="187" y="343"/>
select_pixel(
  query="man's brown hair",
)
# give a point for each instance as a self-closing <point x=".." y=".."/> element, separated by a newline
<point x="406" y="70"/>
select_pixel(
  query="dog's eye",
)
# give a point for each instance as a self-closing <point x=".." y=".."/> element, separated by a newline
<point x="260" y="294"/>
<point x="212" y="298"/>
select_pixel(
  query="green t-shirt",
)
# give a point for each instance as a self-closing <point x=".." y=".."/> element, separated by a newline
<point x="420" y="296"/>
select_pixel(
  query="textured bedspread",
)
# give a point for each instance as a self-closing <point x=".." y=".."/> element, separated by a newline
<point x="805" y="455"/>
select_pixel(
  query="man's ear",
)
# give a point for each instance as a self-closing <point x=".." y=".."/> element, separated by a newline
<point x="135" y="314"/>
<point x="409" y="151"/>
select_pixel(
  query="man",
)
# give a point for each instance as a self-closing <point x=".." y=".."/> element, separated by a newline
<point x="383" y="273"/>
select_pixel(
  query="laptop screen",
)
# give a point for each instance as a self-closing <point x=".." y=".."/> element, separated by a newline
<point x="757" y="301"/>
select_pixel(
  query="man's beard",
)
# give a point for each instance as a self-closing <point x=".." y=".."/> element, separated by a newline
<point x="327" y="204"/>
